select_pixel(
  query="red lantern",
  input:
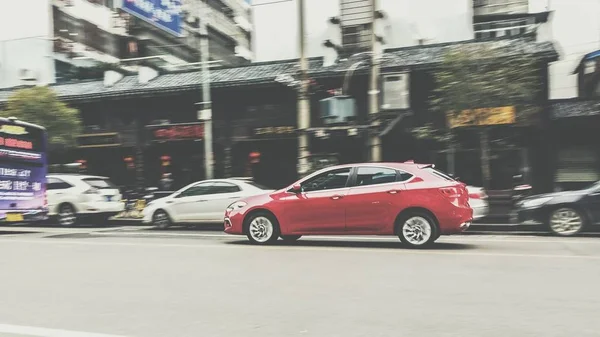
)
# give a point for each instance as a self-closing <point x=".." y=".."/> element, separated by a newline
<point x="82" y="164"/>
<point x="129" y="162"/>
<point x="166" y="160"/>
<point x="254" y="157"/>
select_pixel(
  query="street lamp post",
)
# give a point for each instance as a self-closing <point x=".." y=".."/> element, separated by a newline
<point x="205" y="113"/>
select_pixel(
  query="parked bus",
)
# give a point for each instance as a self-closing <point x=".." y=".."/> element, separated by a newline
<point x="23" y="169"/>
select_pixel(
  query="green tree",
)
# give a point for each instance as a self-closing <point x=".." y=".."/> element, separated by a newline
<point x="40" y="105"/>
<point x="471" y="78"/>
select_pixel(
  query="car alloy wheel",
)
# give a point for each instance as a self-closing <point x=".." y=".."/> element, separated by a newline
<point x="417" y="231"/>
<point x="161" y="219"/>
<point x="263" y="229"/>
<point x="566" y="222"/>
<point x="67" y="216"/>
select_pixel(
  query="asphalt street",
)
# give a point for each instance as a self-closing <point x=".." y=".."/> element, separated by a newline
<point x="106" y="282"/>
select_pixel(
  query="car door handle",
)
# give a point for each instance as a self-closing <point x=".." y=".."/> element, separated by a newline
<point x="336" y="197"/>
<point x="393" y="192"/>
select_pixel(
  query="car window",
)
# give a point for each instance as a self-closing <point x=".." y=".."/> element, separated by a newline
<point x="259" y="186"/>
<point x="57" y="184"/>
<point x="99" y="183"/>
<point x="223" y="187"/>
<point x="199" y="189"/>
<point x="439" y="174"/>
<point x="327" y="180"/>
<point x="404" y="176"/>
<point x="375" y="175"/>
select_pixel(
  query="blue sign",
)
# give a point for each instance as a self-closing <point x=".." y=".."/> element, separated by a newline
<point x="164" y="14"/>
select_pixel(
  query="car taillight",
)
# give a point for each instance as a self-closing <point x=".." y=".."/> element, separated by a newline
<point x="451" y="192"/>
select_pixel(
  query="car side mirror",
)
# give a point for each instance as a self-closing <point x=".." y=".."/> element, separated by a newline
<point x="296" y="188"/>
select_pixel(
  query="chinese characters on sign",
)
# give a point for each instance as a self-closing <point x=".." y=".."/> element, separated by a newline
<point x="164" y="14"/>
<point x="16" y="143"/>
<point x="177" y="132"/>
<point x="274" y="130"/>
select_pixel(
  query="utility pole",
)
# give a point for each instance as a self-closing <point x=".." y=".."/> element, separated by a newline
<point x="303" y="99"/>
<point x="374" y="139"/>
<point x="205" y="113"/>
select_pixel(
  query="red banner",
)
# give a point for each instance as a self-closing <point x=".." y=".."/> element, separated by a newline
<point x="177" y="132"/>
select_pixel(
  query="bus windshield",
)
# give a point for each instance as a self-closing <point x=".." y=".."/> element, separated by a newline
<point x="23" y="171"/>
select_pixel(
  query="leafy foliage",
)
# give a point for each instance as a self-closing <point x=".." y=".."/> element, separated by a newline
<point x="40" y="105"/>
<point x="483" y="78"/>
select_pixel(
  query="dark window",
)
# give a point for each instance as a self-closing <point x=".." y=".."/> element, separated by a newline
<point x="99" y="183"/>
<point x="404" y="176"/>
<point x="223" y="187"/>
<point x="375" y="175"/>
<point x="327" y="181"/>
<point x="57" y="184"/>
<point x="196" y="190"/>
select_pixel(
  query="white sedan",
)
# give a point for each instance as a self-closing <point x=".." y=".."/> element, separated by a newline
<point x="201" y="202"/>
<point x="478" y="200"/>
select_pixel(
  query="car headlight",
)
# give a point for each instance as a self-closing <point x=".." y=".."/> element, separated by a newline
<point x="535" y="202"/>
<point x="236" y="205"/>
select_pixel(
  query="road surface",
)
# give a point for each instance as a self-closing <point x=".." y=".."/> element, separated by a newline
<point x="138" y="283"/>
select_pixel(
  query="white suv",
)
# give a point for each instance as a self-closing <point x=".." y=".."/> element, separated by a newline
<point x="73" y="197"/>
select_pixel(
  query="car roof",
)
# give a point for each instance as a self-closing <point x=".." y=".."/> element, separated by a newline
<point x="75" y="175"/>
<point x="395" y="165"/>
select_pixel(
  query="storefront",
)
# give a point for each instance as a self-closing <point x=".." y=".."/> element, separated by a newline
<point x="177" y="149"/>
<point x="104" y="154"/>
<point x="266" y="153"/>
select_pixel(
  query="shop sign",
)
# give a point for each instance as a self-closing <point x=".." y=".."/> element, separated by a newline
<point x="482" y="117"/>
<point x="274" y="131"/>
<point x="174" y="132"/>
<point x="108" y="139"/>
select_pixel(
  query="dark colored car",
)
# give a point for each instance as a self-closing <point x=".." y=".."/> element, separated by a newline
<point x="563" y="213"/>
<point x="415" y="202"/>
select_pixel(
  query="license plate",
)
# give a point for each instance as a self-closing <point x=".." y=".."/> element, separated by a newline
<point x="13" y="217"/>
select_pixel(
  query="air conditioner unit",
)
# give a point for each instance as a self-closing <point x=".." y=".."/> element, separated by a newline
<point x="337" y="109"/>
<point x="27" y="75"/>
<point x="396" y="93"/>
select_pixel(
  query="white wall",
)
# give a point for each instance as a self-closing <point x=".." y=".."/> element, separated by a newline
<point x="276" y="33"/>
<point x="575" y="30"/>
<point x="25" y="33"/>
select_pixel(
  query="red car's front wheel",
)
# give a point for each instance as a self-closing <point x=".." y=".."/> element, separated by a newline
<point x="263" y="229"/>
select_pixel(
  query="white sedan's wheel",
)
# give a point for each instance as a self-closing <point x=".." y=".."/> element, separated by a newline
<point x="161" y="219"/>
<point x="67" y="215"/>
<point x="566" y="222"/>
<point x="262" y="229"/>
<point x="417" y="231"/>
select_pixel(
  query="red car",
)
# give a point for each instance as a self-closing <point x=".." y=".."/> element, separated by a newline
<point x="416" y="202"/>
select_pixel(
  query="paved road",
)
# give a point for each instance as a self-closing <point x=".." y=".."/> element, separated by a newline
<point x="133" y="282"/>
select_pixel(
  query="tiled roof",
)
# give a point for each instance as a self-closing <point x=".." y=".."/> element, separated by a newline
<point x="265" y="73"/>
<point x="574" y="108"/>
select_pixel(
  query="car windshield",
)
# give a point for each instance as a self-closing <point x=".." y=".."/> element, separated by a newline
<point x="99" y="183"/>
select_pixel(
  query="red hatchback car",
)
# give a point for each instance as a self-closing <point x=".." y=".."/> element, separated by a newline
<point x="416" y="202"/>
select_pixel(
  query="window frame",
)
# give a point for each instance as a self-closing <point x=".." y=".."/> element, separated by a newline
<point x="351" y="175"/>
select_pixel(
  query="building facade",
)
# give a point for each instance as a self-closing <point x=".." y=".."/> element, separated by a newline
<point x="26" y="44"/>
